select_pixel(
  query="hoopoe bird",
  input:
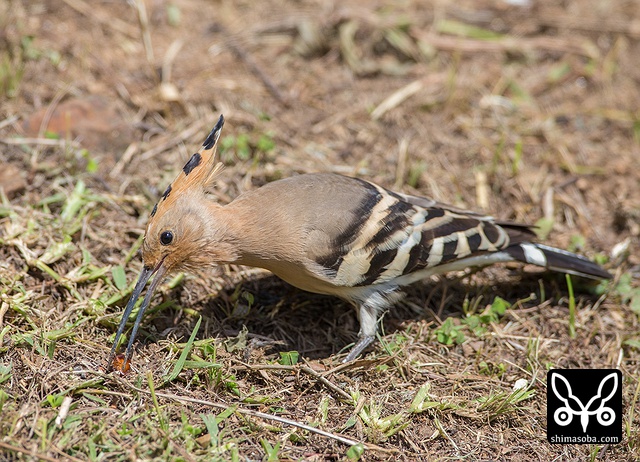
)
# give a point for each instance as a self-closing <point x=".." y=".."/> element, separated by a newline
<point x="329" y="234"/>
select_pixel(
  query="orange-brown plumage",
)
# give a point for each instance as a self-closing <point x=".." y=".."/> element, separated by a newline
<point x="185" y="212"/>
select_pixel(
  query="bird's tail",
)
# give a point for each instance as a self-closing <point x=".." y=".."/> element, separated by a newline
<point x="557" y="260"/>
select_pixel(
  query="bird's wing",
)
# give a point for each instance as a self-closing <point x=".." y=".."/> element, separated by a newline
<point x="388" y="235"/>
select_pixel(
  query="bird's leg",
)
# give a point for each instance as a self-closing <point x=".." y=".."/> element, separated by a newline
<point x="368" y="315"/>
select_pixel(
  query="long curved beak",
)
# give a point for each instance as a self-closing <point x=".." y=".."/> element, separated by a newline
<point x="159" y="270"/>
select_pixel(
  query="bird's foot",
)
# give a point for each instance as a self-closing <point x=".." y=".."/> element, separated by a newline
<point x="363" y="342"/>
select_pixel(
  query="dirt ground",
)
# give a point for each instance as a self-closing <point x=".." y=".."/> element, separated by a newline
<point x="528" y="110"/>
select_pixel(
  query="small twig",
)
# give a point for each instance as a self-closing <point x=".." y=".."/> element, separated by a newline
<point x="326" y="382"/>
<point x="169" y="57"/>
<point x="64" y="410"/>
<point x="99" y="391"/>
<point x="306" y="369"/>
<point x="253" y="66"/>
<point x="360" y="363"/>
<point x="600" y="25"/>
<point x="402" y="94"/>
<point x="4" y="307"/>
<point x="8" y="121"/>
<point x="443" y="301"/>
<point x="396" y="98"/>
<point x="143" y="20"/>
<point x="482" y="190"/>
<point x="124" y="160"/>
<point x="401" y="166"/>
<point x="523" y="337"/>
<point x="514" y="44"/>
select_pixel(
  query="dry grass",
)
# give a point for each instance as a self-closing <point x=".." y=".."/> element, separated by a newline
<point x="529" y="113"/>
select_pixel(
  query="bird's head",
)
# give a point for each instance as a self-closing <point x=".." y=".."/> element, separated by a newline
<point x="178" y="231"/>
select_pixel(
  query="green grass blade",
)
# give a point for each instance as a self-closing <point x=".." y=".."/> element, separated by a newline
<point x="185" y="353"/>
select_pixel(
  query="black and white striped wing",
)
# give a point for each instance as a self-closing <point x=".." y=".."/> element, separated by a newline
<point x="393" y="236"/>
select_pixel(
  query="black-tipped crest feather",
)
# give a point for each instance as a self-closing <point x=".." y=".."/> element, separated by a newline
<point x="214" y="135"/>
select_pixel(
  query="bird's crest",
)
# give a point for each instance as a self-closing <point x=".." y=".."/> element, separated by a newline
<point x="199" y="172"/>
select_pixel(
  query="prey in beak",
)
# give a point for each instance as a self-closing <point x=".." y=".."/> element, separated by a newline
<point x="145" y="275"/>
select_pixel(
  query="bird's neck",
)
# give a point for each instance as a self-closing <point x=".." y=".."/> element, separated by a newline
<point x="258" y="239"/>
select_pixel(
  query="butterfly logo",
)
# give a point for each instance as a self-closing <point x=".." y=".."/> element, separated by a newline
<point x="573" y="406"/>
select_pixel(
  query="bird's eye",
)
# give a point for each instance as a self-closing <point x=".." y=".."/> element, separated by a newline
<point x="166" y="237"/>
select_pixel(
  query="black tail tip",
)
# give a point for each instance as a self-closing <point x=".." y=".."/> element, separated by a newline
<point x="557" y="260"/>
<point x="215" y="134"/>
